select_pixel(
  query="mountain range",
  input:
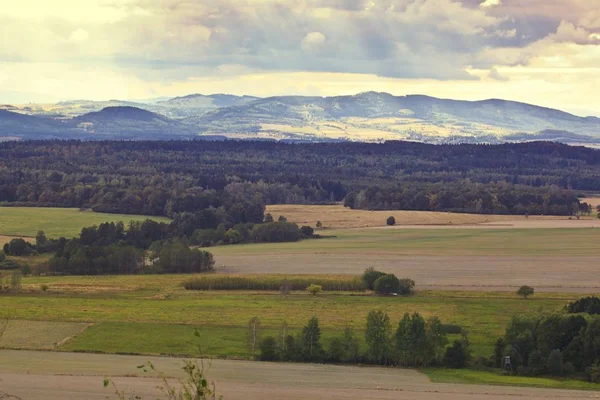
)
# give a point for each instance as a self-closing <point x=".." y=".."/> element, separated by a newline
<point x="369" y="116"/>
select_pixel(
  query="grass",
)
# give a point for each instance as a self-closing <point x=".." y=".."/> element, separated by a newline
<point x="447" y="242"/>
<point x="56" y="222"/>
<point x="38" y="335"/>
<point x="470" y="376"/>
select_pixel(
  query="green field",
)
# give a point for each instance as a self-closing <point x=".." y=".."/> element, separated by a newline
<point x="56" y="222"/>
<point x="124" y="306"/>
<point x="447" y="242"/>
<point x="470" y="376"/>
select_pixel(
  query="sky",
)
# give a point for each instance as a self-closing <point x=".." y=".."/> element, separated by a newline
<point x="545" y="52"/>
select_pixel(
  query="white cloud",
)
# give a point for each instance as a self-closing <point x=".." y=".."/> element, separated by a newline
<point x="490" y="3"/>
<point x="313" y="41"/>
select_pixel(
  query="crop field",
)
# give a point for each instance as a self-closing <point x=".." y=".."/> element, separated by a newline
<point x="155" y="315"/>
<point x="338" y="216"/>
<point x="56" y="222"/>
<point x="455" y="259"/>
<point x="25" y="374"/>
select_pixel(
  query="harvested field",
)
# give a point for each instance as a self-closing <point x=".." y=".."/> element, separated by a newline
<point x="6" y="239"/>
<point x="75" y="376"/>
<point x="338" y="217"/>
<point x="464" y="259"/>
<point x="41" y="335"/>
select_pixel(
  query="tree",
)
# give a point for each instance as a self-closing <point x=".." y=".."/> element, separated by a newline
<point x="391" y="221"/>
<point x="253" y="337"/>
<point x="387" y="284"/>
<point x="314" y="289"/>
<point x="307" y="231"/>
<point x="377" y="336"/>
<point x="268" y="218"/>
<point x="457" y="355"/>
<point x="281" y="219"/>
<point x="2" y="256"/>
<point x="268" y="349"/>
<point x="406" y="286"/>
<point x="320" y="225"/>
<point x="499" y="347"/>
<point x="525" y="291"/>
<point x="18" y="247"/>
<point x="370" y="276"/>
<point x="40" y="239"/>
<point x="310" y="341"/>
<point x="555" y="363"/>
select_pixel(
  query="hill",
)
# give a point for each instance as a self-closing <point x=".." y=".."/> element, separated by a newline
<point x="376" y="116"/>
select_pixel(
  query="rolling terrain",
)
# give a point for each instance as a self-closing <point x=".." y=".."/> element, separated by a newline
<point x="369" y="116"/>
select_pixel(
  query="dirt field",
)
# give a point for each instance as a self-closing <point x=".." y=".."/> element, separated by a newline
<point x="6" y="239"/>
<point x="337" y="216"/>
<point x="79" y="376"/>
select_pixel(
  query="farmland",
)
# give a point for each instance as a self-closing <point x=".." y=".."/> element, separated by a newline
<point x="155" y="315"/>
<point x="55" y="222"/>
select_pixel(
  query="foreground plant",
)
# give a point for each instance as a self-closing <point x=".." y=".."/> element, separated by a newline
<point x="195" y="386"/>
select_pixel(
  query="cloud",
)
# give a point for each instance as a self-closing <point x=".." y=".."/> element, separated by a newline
<point x="495" y="75"/>
<point x="490" y="3"/>
<point x="313" y="41"/>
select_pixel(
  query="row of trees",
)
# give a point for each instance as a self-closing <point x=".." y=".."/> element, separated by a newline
<point x="416" y="342"/>
<point x="237" y="179"/>
<point x="467" y="196"/>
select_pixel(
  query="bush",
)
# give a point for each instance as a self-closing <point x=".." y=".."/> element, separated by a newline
<point x="590" y="305"/>
<point x="555" y="363"/>
<point x="391" y="221"/>
<point x="456" y="355"/>
<point x="9" y="264"/>
<point x="450" y="329"/>
<point x="26" y="270"/>
<point x="273" y="282"/>
<point x="406" y="286"/>
<point x="268" y="349"/>
<point x="307" y="231"/>
<point x="18" y="247"/>
<point x="387" y="284"/>
<point x="2" y="256"/>
<point x="525" y="291"/>
<point x="370" y="276"/>
<point x="314" y="289"/>
<point x="44" y="287"/>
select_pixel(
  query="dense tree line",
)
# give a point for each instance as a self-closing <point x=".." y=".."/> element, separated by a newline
<point x="466" y="196"/>
<point x="557" y="344"/>
<point x="416" y="342"/>
<point x="237" y="179"/>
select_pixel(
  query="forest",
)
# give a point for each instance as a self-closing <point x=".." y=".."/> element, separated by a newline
<point x="235" y="180"/>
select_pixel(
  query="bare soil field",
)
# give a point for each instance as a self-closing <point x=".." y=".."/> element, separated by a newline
<point x="54" y="376"/>
<point x="6" y="239"/>
<point x="338" y="217"/>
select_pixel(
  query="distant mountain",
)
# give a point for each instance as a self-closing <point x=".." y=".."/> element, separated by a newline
<point x="369" y="116"/>
<point x="127" y="123"/>
<point x="208" y="101"/>
<point x="377" y="116"/>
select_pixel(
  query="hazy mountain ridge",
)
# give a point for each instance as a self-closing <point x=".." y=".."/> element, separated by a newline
<point x="369" y="116"/>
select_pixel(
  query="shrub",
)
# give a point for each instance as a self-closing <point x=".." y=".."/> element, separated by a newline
<point x="2" y="256"/>
<point x="370" y="276"/>
<point x="456" y="355"/>
<point x="406" y="286"/>
<point x="391" y="221"/>
<point x="555" y="363"/>
<point x="9" y="264"/>
<point x="268" y="349"/>
<point x="590" y="305"/>
<point x="44" y="287"/>
<point x="314" y="289"/>
<point x="450" y="329"/>
<point x="19" y="247"/>
<point x="387" y="284"/>
<point x="525" y="291"/>
<point x="307" y="231"/>
<point x="320" y="225"/>
<point x="273" y="282"/>
<point x="26" y="270"/>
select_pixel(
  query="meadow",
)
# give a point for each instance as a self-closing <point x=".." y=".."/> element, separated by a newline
<point x="56" y="222"/>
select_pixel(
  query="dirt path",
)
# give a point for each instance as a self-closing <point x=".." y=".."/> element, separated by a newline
<point x="56" y="376"/>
